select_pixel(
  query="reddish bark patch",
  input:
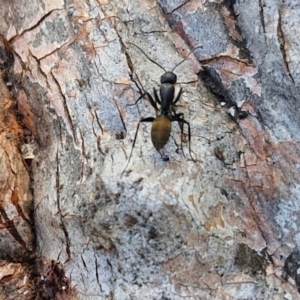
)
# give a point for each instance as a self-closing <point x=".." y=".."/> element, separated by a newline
<point x="258" y="183"/>
<point x="231" y="23"/>
<point x="14" y="282"/>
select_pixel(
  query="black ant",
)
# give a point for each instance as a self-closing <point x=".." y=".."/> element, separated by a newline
<point x="161" y="125"/>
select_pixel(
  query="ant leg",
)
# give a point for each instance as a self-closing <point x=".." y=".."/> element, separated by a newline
<point x="177" y="97"/>
<point x="174" y="105"/>
<point x="150" y="119"/>
<point x="189" y="135"/>
<point x="156" y="96"/>
<point x="150" y="99"/>
<point x="152" y="102"/>
<point x="180" y="116"/>
<point x="142" y="96"/>
<point x="180" y="119"/>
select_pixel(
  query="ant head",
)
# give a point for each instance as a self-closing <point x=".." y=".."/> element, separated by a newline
<point x="168" y="77"/>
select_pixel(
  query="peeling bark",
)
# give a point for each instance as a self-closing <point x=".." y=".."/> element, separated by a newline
<point x="223" y="225"/>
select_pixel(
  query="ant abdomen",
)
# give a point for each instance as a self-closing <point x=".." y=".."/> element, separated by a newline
<point x="160" y="131"/>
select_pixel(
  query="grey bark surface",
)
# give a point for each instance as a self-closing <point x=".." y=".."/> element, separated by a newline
<point x="222" y="224"/>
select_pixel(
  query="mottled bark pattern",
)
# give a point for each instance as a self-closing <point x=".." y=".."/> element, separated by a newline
<point x="223" y="225"/>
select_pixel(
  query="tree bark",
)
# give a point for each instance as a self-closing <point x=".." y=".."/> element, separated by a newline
<point x="217" y="222"/>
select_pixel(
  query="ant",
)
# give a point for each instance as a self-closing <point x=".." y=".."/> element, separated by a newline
<point x="161" y="124"/>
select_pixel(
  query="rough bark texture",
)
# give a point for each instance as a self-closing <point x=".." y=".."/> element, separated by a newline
<point x="221" y="222"/>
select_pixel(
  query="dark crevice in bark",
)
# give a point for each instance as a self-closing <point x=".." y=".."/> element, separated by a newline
<point x="66" y="110"/>
<point x="261" y="14"/>
<point x="10" y="226"/>
<point x="291" y="267"/>
<point x="39" y="22"/>
<point x="62" y="224"/>
<point x="282" y="43"/>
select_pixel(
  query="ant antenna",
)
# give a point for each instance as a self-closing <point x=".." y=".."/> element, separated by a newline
<point x="192" y="51"/>
<point x="160" y="65"/>
<point x="147" y="56"/>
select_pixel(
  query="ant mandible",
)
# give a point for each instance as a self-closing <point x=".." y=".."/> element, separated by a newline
<point x="161" y="124"/>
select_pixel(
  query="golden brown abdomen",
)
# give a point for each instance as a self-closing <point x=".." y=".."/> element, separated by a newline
<point x="160" y="132"/>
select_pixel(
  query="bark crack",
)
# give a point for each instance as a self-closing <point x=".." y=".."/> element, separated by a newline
<point x="261" y="14"/>
<point x="39" y="22"/>
<point x="93" y="122"/>
<point x="282" y="43"/>
<point x="178" y="7"/>
<point x="66" y="109"/>
<point x="121" y="117"/>
<point x="15" y="201"/>
<point x="98" y="121"/>
<point x="62" y="225"/>
<point x="40" y="69"/>
<point x="136" y="81"/>
<point x="83" y="152"/>
<point x="83" y="261"/>
<point x="82" y="145"/>
<point x="10" y="226"/>
<point x="68" y="43"/>
<point x="98" y="145"/>
<point x="97" y="274"/>
<point x="256" y="214"/>
<point x="95" y="116"/>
